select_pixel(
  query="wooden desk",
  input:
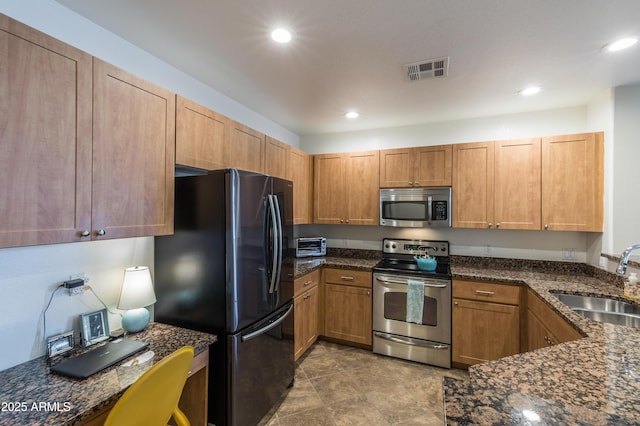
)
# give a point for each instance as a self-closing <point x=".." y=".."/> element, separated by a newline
<point x="40" y="397"/>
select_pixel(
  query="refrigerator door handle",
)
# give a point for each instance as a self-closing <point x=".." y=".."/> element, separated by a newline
<point x="274" y="228"/>
<point x="279" y="226"/>
<point x="268" y="327"/>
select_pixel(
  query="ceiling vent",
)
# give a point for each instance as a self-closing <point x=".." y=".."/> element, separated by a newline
<point x="423" y="70"/>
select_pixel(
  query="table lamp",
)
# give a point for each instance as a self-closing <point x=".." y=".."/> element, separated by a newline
<point x="136" y="294"/>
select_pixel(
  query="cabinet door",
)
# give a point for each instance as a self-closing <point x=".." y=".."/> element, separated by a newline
<point x="133" y="155"/>
<point x="484" y="331"/>
<point x="310" y="324"/>
<point x="396" y="168"/>
<point x="517" y="184"/>
<point x="537" y="333"/>
<point x="276" y="158"/>
<point x="573" y="182"/>
<point x="433" y="165"/>
<point x="299" y="317"/>
<point x="348" y="313"/>
<point x="45" y="158"/>
<point x="472" y="185"/>
<point x="246" y="148"/>
<point x="201" y="136"/>
<point x="362" y="188"/>
<point x="328" y="188"/>
<point x="299" y="172"/>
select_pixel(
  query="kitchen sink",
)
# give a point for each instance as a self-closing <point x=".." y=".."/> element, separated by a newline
<point x="610" y="317"/>
<point x="602" y="309"/>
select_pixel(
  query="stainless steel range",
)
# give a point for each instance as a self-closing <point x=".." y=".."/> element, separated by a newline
<point x="428" y="339"/>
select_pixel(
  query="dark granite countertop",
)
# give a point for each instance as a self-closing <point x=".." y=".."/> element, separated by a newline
<point x="306" y="265"/>
<point x="585" y="381"/>
<point x="31" y="395"/>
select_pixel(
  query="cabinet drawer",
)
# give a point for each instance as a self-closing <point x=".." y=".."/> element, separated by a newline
<point x="305" y="282"/>
<point x="488" y="292"/>
<point x="348" y="277"/>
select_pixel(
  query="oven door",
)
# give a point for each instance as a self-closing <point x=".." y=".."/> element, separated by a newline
<point x="390" y="308"/>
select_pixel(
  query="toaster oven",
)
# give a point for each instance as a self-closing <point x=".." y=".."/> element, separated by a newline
<point x="311" y="246"/>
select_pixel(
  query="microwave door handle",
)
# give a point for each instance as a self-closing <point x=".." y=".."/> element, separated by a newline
<point x="429" y="208"/>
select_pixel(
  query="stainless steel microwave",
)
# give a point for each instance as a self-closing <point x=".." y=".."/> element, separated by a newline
<point x="311" y="246"/>
<point x="415" y="207"/>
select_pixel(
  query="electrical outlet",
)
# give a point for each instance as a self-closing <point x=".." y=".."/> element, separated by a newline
<point x="569" y="254"/>
<point x="76" y="284"/>
<point x="603" y="262"/>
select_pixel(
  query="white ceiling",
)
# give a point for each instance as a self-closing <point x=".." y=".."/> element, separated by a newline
<point x="348" y="54"/>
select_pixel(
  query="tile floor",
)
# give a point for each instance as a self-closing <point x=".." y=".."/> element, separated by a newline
<point x="341" y="385"/>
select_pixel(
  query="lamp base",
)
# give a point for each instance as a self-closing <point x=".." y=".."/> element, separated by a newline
<point x="135" y="320"/>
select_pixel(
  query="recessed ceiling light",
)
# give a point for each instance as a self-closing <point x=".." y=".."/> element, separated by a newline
<point x="352" y="114"/>
<point x="281" y="35"/>
<point x="530" y="91"/>
<point x="621" y="44"/>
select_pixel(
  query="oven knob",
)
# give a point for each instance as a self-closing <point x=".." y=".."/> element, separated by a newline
<point x="393" y="246"/>
<point x="386" y="246"/>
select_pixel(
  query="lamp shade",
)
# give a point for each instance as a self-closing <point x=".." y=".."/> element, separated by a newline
<point x="137" y="289"/>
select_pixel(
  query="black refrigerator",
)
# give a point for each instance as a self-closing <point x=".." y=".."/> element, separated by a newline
<point x="225" y="271"/>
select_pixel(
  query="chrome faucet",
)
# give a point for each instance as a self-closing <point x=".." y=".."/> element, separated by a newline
<point x="622" y="266"/>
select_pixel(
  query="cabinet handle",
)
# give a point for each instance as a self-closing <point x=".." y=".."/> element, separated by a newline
<point x="347" y="221"/>
<point x="85" y="233"/>
<point x="368" y="292"/>
<point x="306" y="297"/>
<point x="410" y="183"/>
<point x="416" y="183"/>
<point x="345" y="278"/>
<point x="489" y="225"/>
<point x="455" y="303"/>
<point x="497" y="225"/>
<point x="306" y="283"/>
<point x="101" y="232"/>
<point x="341" y="221"/>
<point x="546" y="226"/>
<point x="485" y="293"/>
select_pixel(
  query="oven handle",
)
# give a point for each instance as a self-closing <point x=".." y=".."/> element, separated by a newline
<point x="388" y="280"/>
<point x="409" y="341"/>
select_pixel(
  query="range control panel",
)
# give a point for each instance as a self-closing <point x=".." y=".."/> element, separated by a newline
<point x="415" y="247"/>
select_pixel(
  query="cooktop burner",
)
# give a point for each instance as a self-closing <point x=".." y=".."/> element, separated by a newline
<point x="397" y="257"/>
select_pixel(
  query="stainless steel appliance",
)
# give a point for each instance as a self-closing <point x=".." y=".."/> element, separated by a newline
<point x="222" y="272"/>
<point x="415" y="207"/>
<point x="429" y="340"/>
<point x="311" y="246"/>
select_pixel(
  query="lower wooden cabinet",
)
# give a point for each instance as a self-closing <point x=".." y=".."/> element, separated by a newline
<point x="546" y="327"/>
<point x="305" y="304"/>
<point x="485" y="321"/>
<point x="347" y="305"/>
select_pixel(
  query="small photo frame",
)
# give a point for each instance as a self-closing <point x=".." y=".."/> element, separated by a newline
<point x="95" y="327"/>
<point x="60" y="344"/>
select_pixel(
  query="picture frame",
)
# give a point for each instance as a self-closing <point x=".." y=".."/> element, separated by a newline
<point x="59" y="344"/>
<point x="95" y="327"/>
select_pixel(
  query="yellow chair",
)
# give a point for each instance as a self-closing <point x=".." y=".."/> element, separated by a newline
<point x="153" y="398"/>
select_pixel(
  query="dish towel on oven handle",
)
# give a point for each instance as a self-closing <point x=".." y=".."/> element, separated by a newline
<point x="415" y="301"/>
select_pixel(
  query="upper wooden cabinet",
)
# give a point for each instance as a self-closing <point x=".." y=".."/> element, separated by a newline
<point x="45" y="159"/>
<point x="246" y="148"/>
<point x="133" y="155"/>
<point x="202" y="136"/>
<point x="346" y="188"/>
<point x="573" y="182"/>
<point x="416" y="167"/>
<point x="276" y="158"/>
<point x="497" y="185"/>
<point x="517" y="184"/>
<point x="473" y="185"/>
<point x="299" y="172"/>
